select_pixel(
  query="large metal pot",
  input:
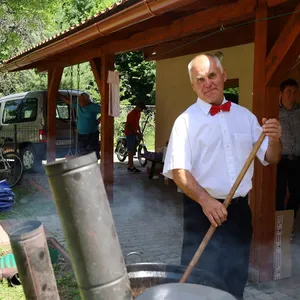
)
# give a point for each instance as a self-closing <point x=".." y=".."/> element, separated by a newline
<point x="180" y="291"/>
<point x="145" y="275"/>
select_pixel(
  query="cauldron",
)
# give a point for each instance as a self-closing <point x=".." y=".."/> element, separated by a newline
<point x="179" y="291"/>
<point x="146" y="275"/>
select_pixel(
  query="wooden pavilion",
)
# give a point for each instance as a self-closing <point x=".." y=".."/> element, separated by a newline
<point x="167" y="28"/>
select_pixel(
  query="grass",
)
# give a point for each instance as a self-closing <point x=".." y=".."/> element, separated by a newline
<point x="11" y="293"/>
<point x="66" y="283"/>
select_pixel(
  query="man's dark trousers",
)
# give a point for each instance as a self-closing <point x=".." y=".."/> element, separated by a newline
<point x="288" y="175"/>
<point x="227" y="254"/>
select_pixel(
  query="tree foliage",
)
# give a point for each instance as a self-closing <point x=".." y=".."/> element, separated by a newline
<point x="137" y="77"/>
<point x="25" y="23"/>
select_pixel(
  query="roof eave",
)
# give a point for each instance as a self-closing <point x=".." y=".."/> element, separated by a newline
<point x="134" y="14"/>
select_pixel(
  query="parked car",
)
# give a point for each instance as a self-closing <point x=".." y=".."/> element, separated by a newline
<point x="23" y="117"/>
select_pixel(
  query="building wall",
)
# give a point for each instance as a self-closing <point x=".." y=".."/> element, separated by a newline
<point x="174" y="93"/>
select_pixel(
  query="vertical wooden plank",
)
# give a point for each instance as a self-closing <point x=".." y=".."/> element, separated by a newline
<point x="54" y="78"/>
<point x="264" y="182"/>
<point x="100" y="68"/>
<point x="260" y="48"/>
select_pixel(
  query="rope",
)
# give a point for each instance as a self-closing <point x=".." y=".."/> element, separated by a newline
<point x="71" y="109"/>
<point x="77" y="108"/>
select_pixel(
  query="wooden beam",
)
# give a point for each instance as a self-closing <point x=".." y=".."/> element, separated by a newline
<point x="54" y="78"/>
<point x="100" y="68"/>
<point x="194" y="44"/>
<point x="231" y="83"/>
<point x="287" y="64"/>
<point x="76" y="56"/>
<point x="287" y="38"/>
<point x="272" y="3"/>
<point x="260" y="50"/>
<point x="263" y="194"/>
<point x="196" y="23"/>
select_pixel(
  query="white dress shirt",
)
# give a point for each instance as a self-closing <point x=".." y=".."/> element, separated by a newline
<point x="214" y="148"/>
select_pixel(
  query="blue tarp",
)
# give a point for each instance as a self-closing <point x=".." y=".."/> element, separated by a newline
<point x="7" y="197"/>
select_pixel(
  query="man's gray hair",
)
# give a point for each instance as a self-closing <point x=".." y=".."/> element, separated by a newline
<point x="217" y="60"/>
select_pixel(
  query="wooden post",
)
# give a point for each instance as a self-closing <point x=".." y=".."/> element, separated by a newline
<point x="100" y="69"/>
<point x="54" y="78"/>
<point x="263" y="195"/>
<point x="269" y="70"/>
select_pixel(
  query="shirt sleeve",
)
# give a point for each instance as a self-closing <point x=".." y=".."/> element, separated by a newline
<point x="256" y="131"/>
<point x="179" y="154"/>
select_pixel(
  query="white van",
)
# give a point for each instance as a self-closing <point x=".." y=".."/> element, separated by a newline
<point x="23" y="117"/>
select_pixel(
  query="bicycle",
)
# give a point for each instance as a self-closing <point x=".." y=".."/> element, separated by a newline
<point x="121" y="148"/>
<point x="11" y="166"/>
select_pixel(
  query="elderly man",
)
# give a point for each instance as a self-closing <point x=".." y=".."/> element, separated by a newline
<point x="209" y="144"/>
<point x="288" y="170"/>
<point x="88" y="132"/>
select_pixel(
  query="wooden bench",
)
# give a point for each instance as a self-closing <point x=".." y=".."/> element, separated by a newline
<point x="153" y="164"/>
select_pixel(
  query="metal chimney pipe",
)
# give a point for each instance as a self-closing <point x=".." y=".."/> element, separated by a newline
<point x="81" y="201"/>
<point x="30" y="248"/>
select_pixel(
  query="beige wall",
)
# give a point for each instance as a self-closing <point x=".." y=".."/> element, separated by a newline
<point x="174" y="93"/>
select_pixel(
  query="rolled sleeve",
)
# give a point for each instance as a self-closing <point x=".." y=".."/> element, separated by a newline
<point x="256" y="132"/>
<point x="179" y="154"/>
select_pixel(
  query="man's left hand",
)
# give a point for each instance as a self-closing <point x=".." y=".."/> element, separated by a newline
<point x="272" y="129"/>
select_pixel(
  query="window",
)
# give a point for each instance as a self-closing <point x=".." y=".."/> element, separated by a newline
<point x="29" y="110"/>
<point x="231" y="90"/>
<point x="62" y="111"/>
<point x="19" y="111"/>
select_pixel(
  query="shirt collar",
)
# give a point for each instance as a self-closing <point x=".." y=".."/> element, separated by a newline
<point x="205" y="107"/>
<point x="281" y="106"/>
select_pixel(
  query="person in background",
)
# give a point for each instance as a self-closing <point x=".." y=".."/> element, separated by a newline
<point x="88" y="124"/>
<point x="288" y="170"/>
<point x="209" y="144"/>
<point x="133" y="134"/>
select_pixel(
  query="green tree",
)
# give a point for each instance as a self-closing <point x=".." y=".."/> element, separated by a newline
<point x="137" y="77"/>
<point x="25" y="23"/>
<point x="72" y="12"/>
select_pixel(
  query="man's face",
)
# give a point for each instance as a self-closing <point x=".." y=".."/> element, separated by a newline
<point x="288" y="96"/>
<point x="208" y="80"/>
<point x="84" y="100"/>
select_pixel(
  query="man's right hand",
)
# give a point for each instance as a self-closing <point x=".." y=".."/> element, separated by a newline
<point x="215" y="211"/>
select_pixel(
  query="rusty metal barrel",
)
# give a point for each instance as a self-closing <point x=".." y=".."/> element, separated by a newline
<point x="95" y="252"/>
<point x="30" y="248"/>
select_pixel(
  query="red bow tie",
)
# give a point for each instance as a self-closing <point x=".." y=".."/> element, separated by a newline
<point x="217" y="108"/>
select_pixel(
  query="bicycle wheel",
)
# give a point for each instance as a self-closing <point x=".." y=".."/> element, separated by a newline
<point x="121" y="151"/>
<point x="14" y="168"/>
<point x="142" y="149"/>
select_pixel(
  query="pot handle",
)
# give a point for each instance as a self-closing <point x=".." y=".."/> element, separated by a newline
<point x="133" y="253"/>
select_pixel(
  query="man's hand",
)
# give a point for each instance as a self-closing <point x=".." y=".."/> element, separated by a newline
<point x="215" y="211"/>
<point x="212" y="208"/>
<point x="272" y="129"/>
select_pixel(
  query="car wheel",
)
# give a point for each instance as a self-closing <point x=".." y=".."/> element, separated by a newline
<point x="31" y="162"/>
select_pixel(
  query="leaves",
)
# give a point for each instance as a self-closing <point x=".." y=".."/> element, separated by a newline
<point x="137" y="78"/>
<point x="25" y="23"/>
